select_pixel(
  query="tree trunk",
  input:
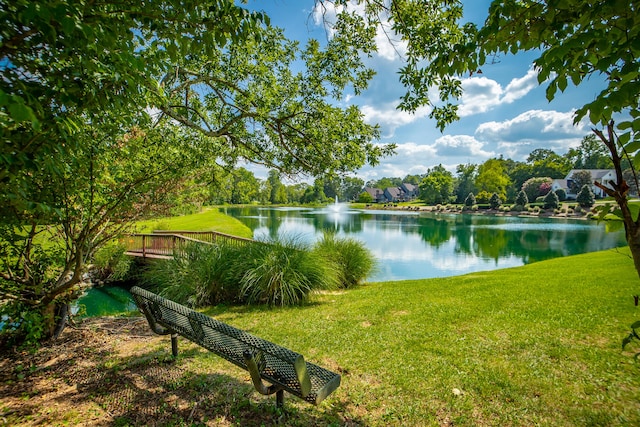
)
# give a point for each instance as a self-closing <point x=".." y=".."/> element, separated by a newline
<point x="55" y="316"/>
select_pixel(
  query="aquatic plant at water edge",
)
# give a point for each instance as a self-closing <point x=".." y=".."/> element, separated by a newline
<point x="197" y="276"/>
<point x="282" y="272"/>
<point x="352" y="260"/>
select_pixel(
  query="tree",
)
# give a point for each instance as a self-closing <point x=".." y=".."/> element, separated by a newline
<point x="546" y="162"/>
<point x="470" y="200"/>
<point x="495" y="202"/>
<point x="585" y="197"/>
<point x="536" y="187"/>
<point x="465" y="181"/>
<point x="244" y="186"/>
<point x="351" y="187"/>
<point x="437" y="186"/>
<point x="98" y="190"/>
<point x="522" y="199"/>
<point x="551" y="200"/>
<point x="277" y="192"/>
<point x="79" y="81"/>
<point x="591" y="154"/>
<point x="579" y="179"/>
<point x="492" y="178"/>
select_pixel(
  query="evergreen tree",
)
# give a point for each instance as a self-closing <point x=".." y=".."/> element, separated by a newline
<point x="522" y="199"/>
<point x="551" y="200"/>
<point x="585" y="197"/>
<point x="495" y="201"/>
<point x="470" y="200"/>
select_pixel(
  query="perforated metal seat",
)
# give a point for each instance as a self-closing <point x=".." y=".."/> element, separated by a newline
<point x="283" y="368"/>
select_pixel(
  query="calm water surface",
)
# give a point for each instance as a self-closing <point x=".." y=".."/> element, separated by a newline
<point x="414" y="245"/>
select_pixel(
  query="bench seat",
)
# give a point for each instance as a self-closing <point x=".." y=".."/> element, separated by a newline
<point x="282" y="368"/>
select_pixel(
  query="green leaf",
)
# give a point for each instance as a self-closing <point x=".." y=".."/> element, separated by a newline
<point x="21" y="113"/>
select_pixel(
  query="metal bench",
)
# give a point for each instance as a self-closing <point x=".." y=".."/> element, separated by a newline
<point x="282" y="368"/>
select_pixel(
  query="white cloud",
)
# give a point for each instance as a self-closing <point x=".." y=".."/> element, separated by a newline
<point x="482" y="94"/>
<point x="518" y="88"/>
<point x="517" y="137"/>
<point x="410" y="159"/>
<point x="462" y="146"/>
<point x="390" y="118"/>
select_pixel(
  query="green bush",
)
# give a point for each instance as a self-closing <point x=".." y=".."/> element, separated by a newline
<point x="111" y="263"/>
<point x="198" y="276"/>
<point x="562" y="195"/>
<point x="522" y="199"/>
<point x="282" y="272"/>
<point x="585" y="197"/>
<point x="495" y="201"/>
<point x="352" y="261"/>
<point x="470" y="200"/>
<point x="551" y="200"/>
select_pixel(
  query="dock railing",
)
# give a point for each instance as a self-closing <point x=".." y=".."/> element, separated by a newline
<point x="165" y="243"/>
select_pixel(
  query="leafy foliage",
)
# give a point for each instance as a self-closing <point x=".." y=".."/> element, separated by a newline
<point x="536" y="187"/>
<point x="522" y="199"/>
<point x="437" y="186"/>
<point x="81" y="152"/>
<point x="352" y="260"/>
<point x="551" y="200"/>
<point x="495" y="202"/>
<point x="585" y="197"/>
<point x="470" y="200"/>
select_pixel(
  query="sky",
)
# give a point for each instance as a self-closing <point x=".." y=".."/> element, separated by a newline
<point x="503" y="110"/>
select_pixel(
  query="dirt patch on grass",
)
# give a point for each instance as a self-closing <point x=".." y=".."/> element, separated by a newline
<point x="116" y="372"/>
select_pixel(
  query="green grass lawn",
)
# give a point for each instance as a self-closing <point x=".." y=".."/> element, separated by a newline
<point x="208" y="220"/>
<point x="532" y="345"/>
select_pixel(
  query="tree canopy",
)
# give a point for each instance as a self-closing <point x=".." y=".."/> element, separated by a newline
<point x="106" y="108"/>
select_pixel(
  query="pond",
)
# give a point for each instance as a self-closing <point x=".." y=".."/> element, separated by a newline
<point x="409" y="244"/>
<point x="415" y="245"/>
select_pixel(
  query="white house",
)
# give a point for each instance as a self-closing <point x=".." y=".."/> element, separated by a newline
<point x="603" y="176"/>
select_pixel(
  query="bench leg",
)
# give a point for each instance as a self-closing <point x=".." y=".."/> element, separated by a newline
<point x="174" y="345"/>
<point x="280" y="398"/>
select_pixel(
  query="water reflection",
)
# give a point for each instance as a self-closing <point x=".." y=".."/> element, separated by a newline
<point x="413" y="245"/>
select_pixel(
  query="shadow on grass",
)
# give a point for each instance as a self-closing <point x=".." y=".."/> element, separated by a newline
<point x="87" y="383"/>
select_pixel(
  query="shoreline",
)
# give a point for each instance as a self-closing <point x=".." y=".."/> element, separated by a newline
<point x="583" y="216"/>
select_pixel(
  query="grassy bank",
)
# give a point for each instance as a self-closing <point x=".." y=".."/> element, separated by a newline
<point x="208" y="220"/>
<point x="534" y="345"/>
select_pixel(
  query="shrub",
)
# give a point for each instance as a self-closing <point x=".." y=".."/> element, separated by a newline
<point x="483" y="197"/>
<point x="495" y="201"/>
<point x="365" y="197"/>
<point x="517" y="208"/>
<point x="562" y="195"/>
<point x="111" y="263"/>
<point x="282" y="273"/>
<point x="585" y="197"/>
<point x="551" y="200"/>
<point x="470" y="200"/>
<point x="522" y="199"/>
<point x="199" y="275"/>
<point x="537" y="186"/>
<point x="351" y="259"/>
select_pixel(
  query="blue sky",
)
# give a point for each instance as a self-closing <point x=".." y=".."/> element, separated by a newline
<point x="503" y="112"/>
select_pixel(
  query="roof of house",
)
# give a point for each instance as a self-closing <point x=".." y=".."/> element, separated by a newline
<point x="595" y="173"/>
<point x="395" y="191"/>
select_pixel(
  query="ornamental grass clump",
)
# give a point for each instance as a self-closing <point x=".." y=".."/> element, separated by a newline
<point x="197" y="276"/>
<point x="350" y="258"/>
<point x="282" y="272"/>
